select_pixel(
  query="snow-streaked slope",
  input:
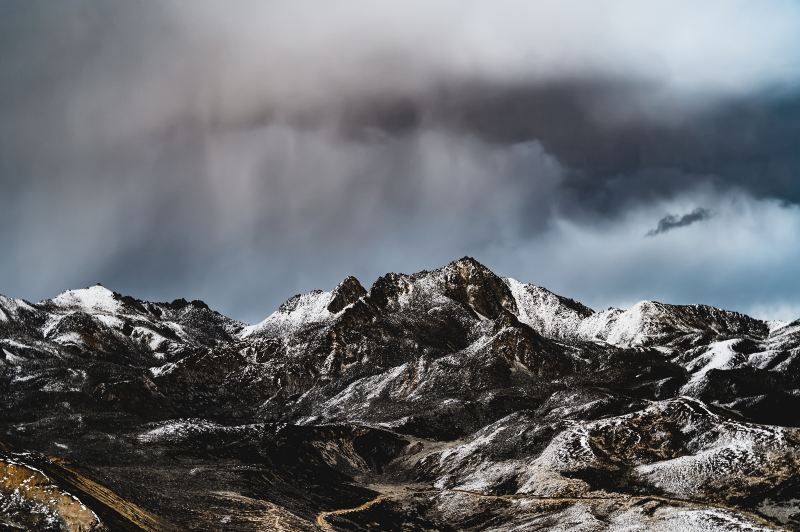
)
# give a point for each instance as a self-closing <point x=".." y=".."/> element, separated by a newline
<point x="186" y="429"/>
<point x="654" y="323"/>
<point x="311" y="308"/>
<point x="718" y="355"/>
<point x="786" y="335"/>
<point x="547" y="313"/>
<point x="297" y="312"/>
<point x="632" y="327"/>
<point x="10" y="308"/>
<point x="678" y="447"/>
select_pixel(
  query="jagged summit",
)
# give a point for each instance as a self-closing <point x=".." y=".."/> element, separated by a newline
<point x="478" y="289"/>
<point x="476" y="286"/>
<point x="346" y="293"/>
<point x="467" y="262"/>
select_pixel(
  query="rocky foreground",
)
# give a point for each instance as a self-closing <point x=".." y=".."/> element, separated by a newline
<point x="444" y="400"/>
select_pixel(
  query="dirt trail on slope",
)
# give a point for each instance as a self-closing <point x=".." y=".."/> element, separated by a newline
<point x="401" y="492"/>
<point x="323" y="516"/>
<point x="687" y="503"/>
<point x="258" y="515"/>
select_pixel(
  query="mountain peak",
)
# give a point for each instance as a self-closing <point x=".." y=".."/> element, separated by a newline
<point x="473" y="284"/>
<point x="346" y="293"/>
<point x="469" y="262"/>
<point x="10" y="307"/>
<point x="92" y="299"/>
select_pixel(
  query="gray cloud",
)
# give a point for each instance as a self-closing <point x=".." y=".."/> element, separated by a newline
<point x="742" y="258"/>
<point x="240" y="154"/>
<point x="673" y="221"/>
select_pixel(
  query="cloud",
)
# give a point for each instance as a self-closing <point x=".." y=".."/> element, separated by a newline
<point x="743" y="258"/>
<point x="246" y="152"/>
<point x="673" y="221"/>
<point x="633" y="100"/>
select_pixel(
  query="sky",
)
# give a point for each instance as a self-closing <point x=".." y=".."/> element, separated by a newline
<point x="241" y="152"/>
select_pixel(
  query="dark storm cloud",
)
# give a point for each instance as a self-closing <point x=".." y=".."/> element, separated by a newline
<point x="673" y="221"/>
<point x="245" y="152"/>
<point x="747" y="142"/>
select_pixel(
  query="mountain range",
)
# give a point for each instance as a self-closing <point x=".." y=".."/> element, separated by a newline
<point x="451" y="399"/>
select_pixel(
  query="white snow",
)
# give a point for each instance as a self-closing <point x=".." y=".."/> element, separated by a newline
<point x="543" y="311"/>
<point x="177" y="429"/>
<point x="309" y="308"/>
<point x="10" y="303"/>
<point x="68" y="338"/>
<point x="52" y="518"/>
<point x="177" y="329"/>
<point x="720" y="355"/>
<point x="780" y="334"/>
<point x="668" y="519"/>
<point x="180" y="429"/>
<point x="11" y="358"/>
<point x="599" y="325"/>
<point x="483" y="438"/>
<point x="774" y="325"/>
<point x="9" y="307"/>
<point x="112" y="322"/>
<point x="91" y="300"/>
<point x="52" y="322"/>
<point x="623" y="328"/>
<point x="166" y="369"/>
<point x="150" y="337"/>
<point x="360" y="392"/>
<point x="24" y="378"/>
<point x="13" y="343"/>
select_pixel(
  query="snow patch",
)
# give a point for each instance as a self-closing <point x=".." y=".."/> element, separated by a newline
<point x="91" y="300"/>
<point x="183" y="429"/>
<point x="774" y="325"/>
<point x="299" y="311"/>
<point x="14" y="343"/>
<point x="11" y="358"/>
<point x="363" y="390"/>
<point x="68" y="338"/>
<point x="544" y="311"/>
<point x="112" y="322"/>
<point x="166" y="369"/>
<point x="10" y="307"/>
<point x="624" y="328"/>
<point x="153" y="340"/>
<point x="720" y="355"/>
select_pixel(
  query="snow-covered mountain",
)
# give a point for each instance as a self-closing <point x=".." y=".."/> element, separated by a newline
<point x="449" y="399"/>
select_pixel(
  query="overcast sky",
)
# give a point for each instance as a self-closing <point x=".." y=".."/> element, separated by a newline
<point x="242" y="152"/>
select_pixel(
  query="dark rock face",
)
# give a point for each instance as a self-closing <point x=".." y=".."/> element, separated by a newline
<point x="347" y="293"/>
<point x="450" y="399"/>
<point x="476" y="287"/>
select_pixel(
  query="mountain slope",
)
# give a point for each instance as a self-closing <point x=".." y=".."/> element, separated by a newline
<point x="447" y="399"/>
